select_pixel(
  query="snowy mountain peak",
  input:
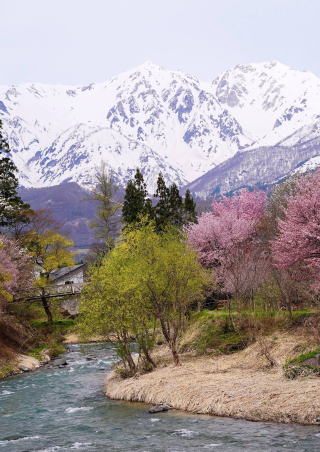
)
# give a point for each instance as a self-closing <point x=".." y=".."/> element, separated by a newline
<point x="156" y="119"/>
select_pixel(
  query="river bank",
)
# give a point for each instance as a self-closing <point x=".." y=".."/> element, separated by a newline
<point x="241" y="385"/>
<point x="20" y="363"/>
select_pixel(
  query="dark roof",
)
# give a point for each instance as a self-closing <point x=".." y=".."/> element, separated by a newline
<point x="56" y="274"/>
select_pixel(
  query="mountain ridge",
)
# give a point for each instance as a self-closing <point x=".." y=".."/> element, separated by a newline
<point x="157" y="119"/>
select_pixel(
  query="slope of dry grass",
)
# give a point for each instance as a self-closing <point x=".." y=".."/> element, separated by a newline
<point x="248" y="384"/>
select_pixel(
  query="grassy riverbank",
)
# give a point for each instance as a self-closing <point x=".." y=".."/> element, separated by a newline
<point x="26" y="344"/>
<point x="239" y="374"/>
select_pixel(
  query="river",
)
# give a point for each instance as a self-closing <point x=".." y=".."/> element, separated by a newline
<point x="64" y="409"/>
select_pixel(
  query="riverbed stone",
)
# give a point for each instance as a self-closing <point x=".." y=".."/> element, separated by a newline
<point x="159" y="408"/>
<point x="24" y="368"/>
<point x="314" y="362"/>
<point x="59" y="362"/>
<point x="91" y="358"/>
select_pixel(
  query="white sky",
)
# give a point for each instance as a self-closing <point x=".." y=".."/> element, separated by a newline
<point x="82" y="41"/>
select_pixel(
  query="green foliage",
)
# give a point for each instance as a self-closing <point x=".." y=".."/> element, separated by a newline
<point x="147" y="277"/>
<point x="6" y="370"/>
<point x="12" y="209"/>
<point x="51" y="248"/>
<point x="170" y="276"/>
<point x="171" y="209"/>
<point x="190" y="208"/>
<point x="176" y="207"/>
<point x="304" y="356"/>
<point x="113" y="303"/>
<point x="297" y="367"/>
<point x="54" y="349"/>
<point x="215" y="334"/>
<point x="162" y="208"/>
<point x="220" y="331"/>
<point x="61" y="324"/>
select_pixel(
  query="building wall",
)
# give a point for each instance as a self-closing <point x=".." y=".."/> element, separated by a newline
<point x="76" y="277"/>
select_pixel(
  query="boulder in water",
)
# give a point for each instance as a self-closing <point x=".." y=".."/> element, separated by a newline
<point x="159" y="408"/>
<point x="91" y="358"/>
<point x="59" y="362"/>
<point x="24" y="368"/>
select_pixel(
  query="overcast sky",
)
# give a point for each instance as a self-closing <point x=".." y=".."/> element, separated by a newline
<point x="79" y="41"/>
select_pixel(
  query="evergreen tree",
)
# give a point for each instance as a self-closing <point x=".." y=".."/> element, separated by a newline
<point x="190" y="208"/>
<point x="162" y="209"/>
<point x="12" y="209"/>
<point x="171" y="209"/>
<point x="176" y="207"/>
<point x="136" y="204"/>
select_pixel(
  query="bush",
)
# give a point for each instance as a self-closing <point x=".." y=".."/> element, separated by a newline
<point x="296" y="367"/>
<point x="213" y="331"/>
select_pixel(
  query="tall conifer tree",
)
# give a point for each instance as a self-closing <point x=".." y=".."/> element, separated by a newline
<point x="162" y="208"/>
<point x="136" y="204"/>
<point x="190" y="208"/>
<point x="12" y="209"/>
<point x="176" y="207"/>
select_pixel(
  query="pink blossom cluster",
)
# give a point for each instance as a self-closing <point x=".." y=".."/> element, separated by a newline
<point x="16" y="267"/>
<point x="297" y="245"/>
<point x="226" y="238"/>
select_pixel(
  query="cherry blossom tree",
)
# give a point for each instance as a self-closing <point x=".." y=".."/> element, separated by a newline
<point x="227" y="241"/>
<point x="297" y="246"/>
<point x="16" y="269"/>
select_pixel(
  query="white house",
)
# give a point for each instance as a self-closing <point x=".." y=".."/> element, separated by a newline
<point x="68" y="275"/>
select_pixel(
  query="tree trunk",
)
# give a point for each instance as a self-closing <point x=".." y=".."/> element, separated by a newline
<point x="46" y="307"/>
<point x="128" y="357"/>
<point x="131" y="363"/>
<point x="148" y="356"/>
<point x="175" y="355"/>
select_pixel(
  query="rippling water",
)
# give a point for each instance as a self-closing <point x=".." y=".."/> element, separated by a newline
<point x="65" y="409"/>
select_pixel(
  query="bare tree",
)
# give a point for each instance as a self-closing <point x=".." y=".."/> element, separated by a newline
<point x="106" y="222"/>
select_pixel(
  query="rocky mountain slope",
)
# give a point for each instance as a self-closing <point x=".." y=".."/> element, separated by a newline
<point x="165" y="120"/>
<point x="262" y="167"/>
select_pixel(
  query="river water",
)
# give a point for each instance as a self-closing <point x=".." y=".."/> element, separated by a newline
<point x="65" y="409"/>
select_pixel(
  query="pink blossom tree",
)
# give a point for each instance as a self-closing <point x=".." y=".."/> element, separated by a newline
<point x="227" y="240"/>
<point x="16" y="269"/>
<point x="297" y="246"/>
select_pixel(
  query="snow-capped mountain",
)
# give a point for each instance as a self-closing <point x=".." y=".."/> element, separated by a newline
<point x="157" y="119"/>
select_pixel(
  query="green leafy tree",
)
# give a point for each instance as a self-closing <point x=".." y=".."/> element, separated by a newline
<point x="147" y="278"/>
<point x="169" y="277"/>
<point x="112" y="302"/>
<point x="12" y="209"/>
<point x="50" y="248"/>
<point x="136" y="203"/>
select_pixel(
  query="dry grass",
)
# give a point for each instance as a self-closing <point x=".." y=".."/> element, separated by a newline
<point x="240" y="385"/>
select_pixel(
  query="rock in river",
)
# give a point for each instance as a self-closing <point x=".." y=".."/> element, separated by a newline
<point x="59" y="362"/>
<point x="159" y="408"/>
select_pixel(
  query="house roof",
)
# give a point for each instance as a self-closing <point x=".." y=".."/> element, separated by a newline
<point x="60" y="272"/>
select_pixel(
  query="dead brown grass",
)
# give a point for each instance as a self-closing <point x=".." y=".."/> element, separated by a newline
<point x="240" y="385"/>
